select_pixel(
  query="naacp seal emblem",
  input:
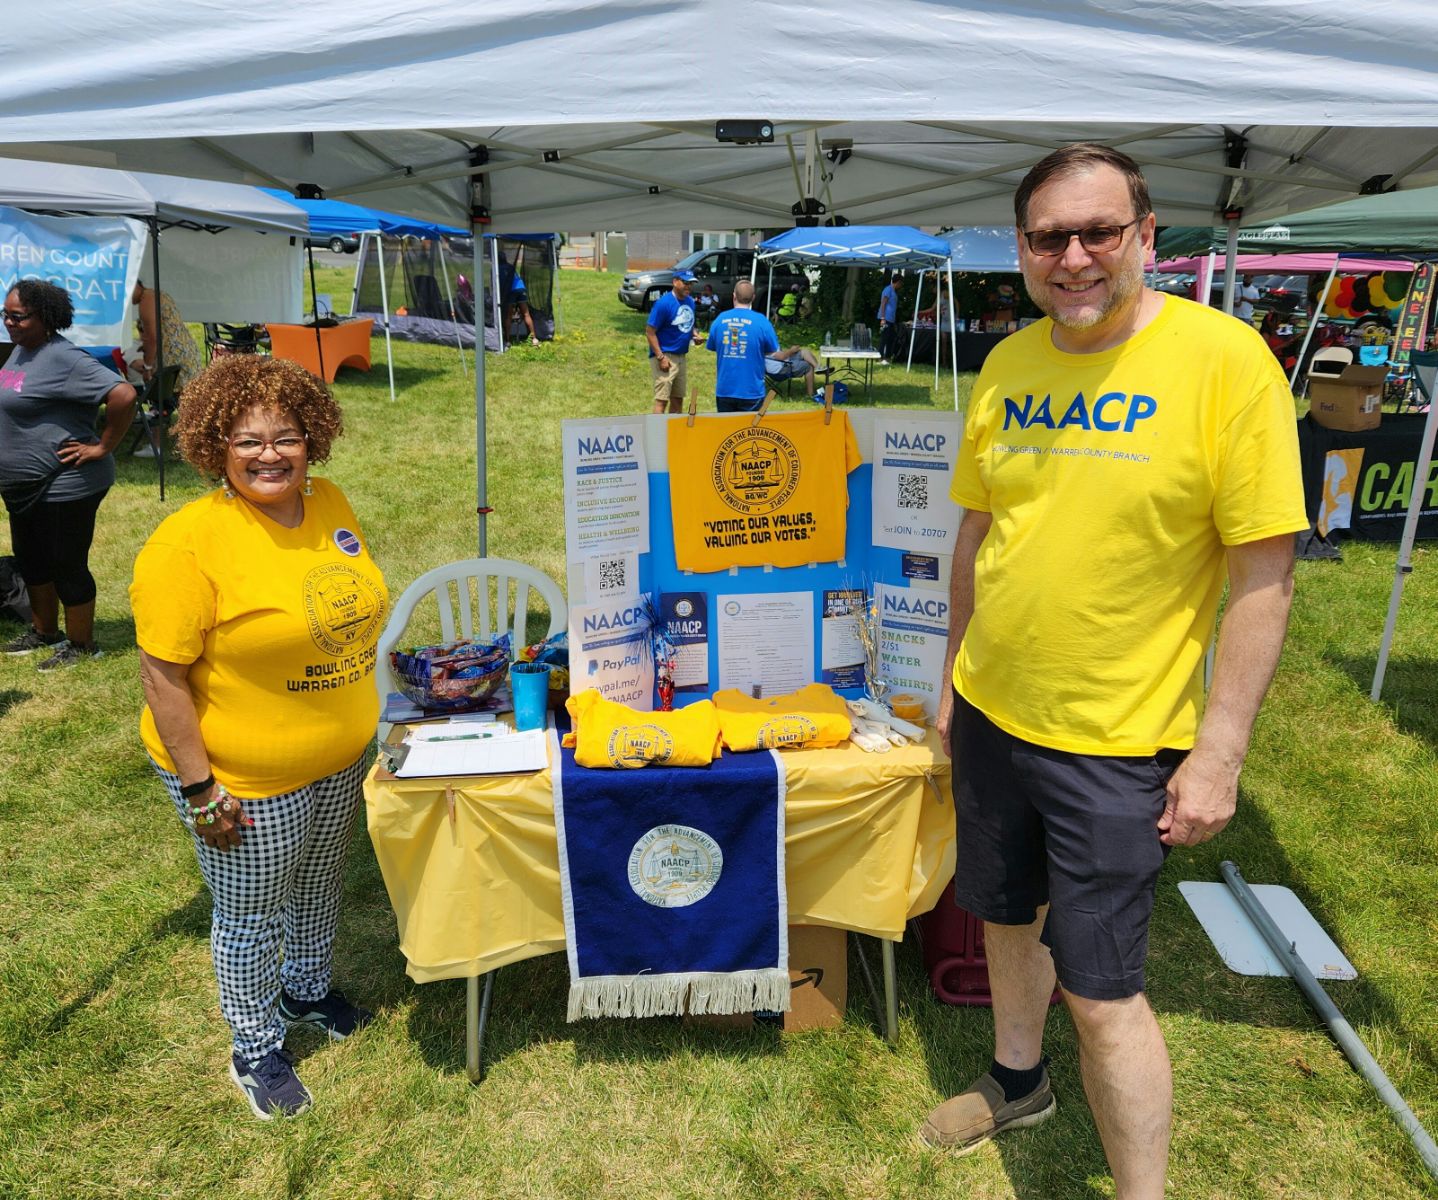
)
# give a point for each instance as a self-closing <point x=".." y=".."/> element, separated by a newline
<point x="342" y="607"/>
<point x="755" y="470"/>
<point x="635" y="745"/>
<point x="788" y="730"/>
<point x="673" y="866"/>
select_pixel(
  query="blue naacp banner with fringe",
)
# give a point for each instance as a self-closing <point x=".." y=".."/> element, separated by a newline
<point x="95" y="259"/>
<point x="672" y="881"/>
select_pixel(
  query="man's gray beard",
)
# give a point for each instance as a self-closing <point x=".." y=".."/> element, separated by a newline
<point x="1127" y="283"/>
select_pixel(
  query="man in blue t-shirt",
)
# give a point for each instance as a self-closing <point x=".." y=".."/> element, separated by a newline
<point x="670" y="331"/>
<point x="888" y="315"/>
<point x="741" y="338"/>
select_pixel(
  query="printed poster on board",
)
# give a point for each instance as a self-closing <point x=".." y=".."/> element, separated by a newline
<point x="606" y="487"/>
<point x="772" y="494"/>
<point x="610" y="649"/>
<point x="96" y="259"/>
<point x="913" y="470"/>
<point x="913" y="634"/>
<point x="686" y="620"/>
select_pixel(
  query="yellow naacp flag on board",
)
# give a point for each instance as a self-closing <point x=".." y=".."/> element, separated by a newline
<point x="747" y="495"/>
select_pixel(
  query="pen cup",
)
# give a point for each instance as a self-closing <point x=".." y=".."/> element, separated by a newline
<point x="529" y="684"/>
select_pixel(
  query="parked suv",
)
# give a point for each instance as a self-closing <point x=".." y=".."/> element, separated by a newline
<point x="720" y="268"/>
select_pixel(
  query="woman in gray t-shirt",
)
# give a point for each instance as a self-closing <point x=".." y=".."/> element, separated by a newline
<point x="53" y="470"/>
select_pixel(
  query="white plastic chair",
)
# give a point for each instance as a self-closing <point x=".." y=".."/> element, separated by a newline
<point x="467" y="610"/>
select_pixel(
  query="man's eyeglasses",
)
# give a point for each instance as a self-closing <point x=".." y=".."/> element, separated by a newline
<point x="1096" y="239"/>
<point x="14" y="318"/>
<point x="290" y="445"/>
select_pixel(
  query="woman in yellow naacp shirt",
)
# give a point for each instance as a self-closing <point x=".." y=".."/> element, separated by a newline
<point x="257" y="610"/>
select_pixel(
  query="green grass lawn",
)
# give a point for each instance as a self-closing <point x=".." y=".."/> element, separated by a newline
<point x="114" y="1053"/>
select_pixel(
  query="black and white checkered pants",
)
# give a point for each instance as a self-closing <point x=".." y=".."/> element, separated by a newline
<point x="280" y="887"/>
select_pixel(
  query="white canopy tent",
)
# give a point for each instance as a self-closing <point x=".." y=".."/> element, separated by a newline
<point x="909" y="112"/>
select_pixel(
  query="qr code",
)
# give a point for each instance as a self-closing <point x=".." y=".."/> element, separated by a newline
<point x="913" y="491"/>
<point x="613" y="577"/>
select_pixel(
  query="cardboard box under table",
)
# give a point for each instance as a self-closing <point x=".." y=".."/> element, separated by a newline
<point x="868" y="843"/>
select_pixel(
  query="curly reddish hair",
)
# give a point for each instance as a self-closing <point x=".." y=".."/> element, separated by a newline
<point x="232" y="385"/>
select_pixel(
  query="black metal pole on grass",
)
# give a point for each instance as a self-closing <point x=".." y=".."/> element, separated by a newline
<point x="159" y="376"/>
<point x="315" y="308"/>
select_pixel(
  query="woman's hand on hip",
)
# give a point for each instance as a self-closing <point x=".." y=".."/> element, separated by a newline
<point x="73" y="454"/>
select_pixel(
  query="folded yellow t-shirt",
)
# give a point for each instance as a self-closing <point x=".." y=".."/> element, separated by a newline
<point x="607" y="734"/>
<point x="814" y="716"/>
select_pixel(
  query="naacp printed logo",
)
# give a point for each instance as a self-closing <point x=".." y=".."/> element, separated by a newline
<point x="343" y="608"/>
<point x="674" y="866"/>
<point x="789" y="730"/>
<point x="755" y="470"/>
<point x="348" y="541"/>
<point x="635" y="745"/>
<point x="684" y="608"/>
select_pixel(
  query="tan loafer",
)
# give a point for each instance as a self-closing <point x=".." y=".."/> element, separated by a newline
<point x="972" y="1117"/>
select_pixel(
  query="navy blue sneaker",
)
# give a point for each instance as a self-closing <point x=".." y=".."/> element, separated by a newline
<point x="270" y="1085"/>
<point x="334" y="1014"/>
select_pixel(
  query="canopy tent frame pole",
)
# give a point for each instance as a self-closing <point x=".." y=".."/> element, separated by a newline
<point x="384" y="313"/>
<point x="1312" y="325"/>
<point x="918" y="295"/>
<point x="938" y="333"/>
<point x="159" y="375"/>
<point x="481" y="450"/>
<point x="449" y="299"/>
<point x="558" y="300"/>
<point x="953" y="336"/>
<point x="359" y="269"/>
<point x="315" y="309"/>
<point x="769" y="294"/>
<point x="1410" y="522"/>
<point x="1230" y="266"/>
<point x="497" y="299"/>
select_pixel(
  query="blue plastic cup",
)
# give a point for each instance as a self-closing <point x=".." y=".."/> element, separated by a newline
<point x="529" y="684"/>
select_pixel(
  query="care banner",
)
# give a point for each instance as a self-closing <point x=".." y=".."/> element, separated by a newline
<point x="774" y="493"/>
<point x="96" y="259"/>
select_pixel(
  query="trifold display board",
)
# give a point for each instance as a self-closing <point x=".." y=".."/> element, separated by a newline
<point x="765" y="494"/>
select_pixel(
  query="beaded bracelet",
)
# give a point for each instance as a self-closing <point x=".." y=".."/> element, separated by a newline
<point x="207" y="814"/>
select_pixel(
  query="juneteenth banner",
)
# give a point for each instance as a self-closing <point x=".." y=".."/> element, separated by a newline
<point x="772" y="494"/>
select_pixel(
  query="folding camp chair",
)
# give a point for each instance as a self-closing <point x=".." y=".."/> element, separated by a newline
<point x="234" y="339"/>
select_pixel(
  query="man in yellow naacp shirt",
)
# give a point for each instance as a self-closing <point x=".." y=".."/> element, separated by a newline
<point x="1119" y="459"/>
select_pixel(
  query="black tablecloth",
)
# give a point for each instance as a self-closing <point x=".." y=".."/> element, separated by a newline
<point x="972" y="348"/>
<point x="1382" y="493"/>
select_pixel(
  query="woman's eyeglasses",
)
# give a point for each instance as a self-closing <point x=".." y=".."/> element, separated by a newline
<point x="290" y="445"/>
<point x="14" y="318"/>
<point x="1096" y="239"/>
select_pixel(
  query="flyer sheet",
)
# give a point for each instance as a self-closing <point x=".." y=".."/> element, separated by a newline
<point x="841" y="651"/>
<point x="913" y="470"/>
<point x="686" y="620"/>
<point x="766" y="641"/>
<point x="913" y="633"/>
<point x="606" y="487"/>
<point x="610" y="649"/>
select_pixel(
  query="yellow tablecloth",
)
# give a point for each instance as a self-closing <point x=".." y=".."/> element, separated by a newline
<point x="869" y="842"/>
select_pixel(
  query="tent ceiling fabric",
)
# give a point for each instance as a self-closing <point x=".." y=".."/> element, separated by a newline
<point x="887" y="246"/>
<point x="940" y="109"/>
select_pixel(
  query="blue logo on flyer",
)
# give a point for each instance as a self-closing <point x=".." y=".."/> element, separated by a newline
<point x="347" y="541"/>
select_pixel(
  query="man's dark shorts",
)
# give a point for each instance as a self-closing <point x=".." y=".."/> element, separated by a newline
<point x="733" y="404"/>
<point x="1075" y="831"/>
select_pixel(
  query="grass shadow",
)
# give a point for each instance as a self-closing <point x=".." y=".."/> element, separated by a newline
<point x="10" y="697"/>
<point x="1408" y="691"/>
<point x="192" y="919"/>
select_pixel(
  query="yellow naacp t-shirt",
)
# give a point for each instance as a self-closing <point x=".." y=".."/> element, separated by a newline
<point x="815" y="716"/>
<point x="608" y="734"/>
<point x="1115" y="480"/>
<point x="747" y="495"/>
<point x="279" y="627"/>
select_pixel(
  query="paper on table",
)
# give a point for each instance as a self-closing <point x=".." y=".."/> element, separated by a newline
<point x="506" y="755"/>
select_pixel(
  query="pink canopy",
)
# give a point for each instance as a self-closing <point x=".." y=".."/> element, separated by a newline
<point x="1313" y="263"/>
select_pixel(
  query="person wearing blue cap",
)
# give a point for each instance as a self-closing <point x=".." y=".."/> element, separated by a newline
<point x="670" y="330"/>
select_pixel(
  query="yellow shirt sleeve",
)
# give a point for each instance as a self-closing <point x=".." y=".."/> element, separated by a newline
<point x="1258" y="491"/>
<point x="173" y="603"/>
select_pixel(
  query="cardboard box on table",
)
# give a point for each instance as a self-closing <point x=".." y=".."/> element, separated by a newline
<point x="818" y="983"/>
<point x="1350" y="400"/>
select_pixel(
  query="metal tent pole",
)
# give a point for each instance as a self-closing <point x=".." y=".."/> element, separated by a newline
<point x="449" y="299"/>
<point x="1312" y="324"/>
<point x="159" y="375"/>
<point x="953" y="337"/>
<point x="1230" y="265"/>
<point x="315" y="309"/>
<point x="359" y="271"/>
<point x="769" y="293"/>
<point x="1343" y="1033"/>
<point x="497" y="299"/>
<point x="918" y="295"/>
<point x="558" y="303"/>
<point x="384" y="312"/>
<point x="1410" y="527"/>
<point x="482" y="509"/>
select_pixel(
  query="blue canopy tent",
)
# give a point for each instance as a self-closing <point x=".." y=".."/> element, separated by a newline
<point x="329" y="217"/>
<point x="886" y="247"/>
